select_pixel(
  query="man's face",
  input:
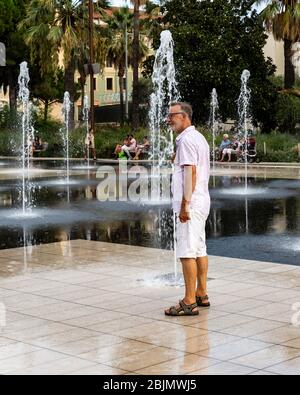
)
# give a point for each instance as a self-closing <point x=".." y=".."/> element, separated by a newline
<point x="176" y="119"/>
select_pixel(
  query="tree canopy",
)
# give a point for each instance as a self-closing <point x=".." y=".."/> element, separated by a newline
<point x="11" y="12"/>
<point x="282" y="18"/>
<point x="214" y="42"/>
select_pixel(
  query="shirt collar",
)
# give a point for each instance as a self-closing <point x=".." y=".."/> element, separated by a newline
<point x="189" y="129"/>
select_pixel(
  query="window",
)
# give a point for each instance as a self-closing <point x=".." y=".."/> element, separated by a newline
<point x="109" y="84"/>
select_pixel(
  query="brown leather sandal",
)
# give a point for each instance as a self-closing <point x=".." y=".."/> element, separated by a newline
<point x="182" y="309"/>
<point x="202" y="301"/>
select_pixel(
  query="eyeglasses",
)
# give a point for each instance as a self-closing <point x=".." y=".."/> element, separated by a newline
<point x="171" y="114"/>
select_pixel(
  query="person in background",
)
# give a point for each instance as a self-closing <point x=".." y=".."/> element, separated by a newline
<point x="119" y="153"/>
<point x="90" y="144"/>
<point x="142" y="148"/>
<point x="133" y="143"/>
<point x="126" y="147"/>
<point x="234" y="148"/>
<point x="226" y="143"/>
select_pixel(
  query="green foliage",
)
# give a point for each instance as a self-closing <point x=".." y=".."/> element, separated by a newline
<point x="214" y="42"/>
<point x="11" y="13"/>
<point x="278" y="156"/>
<point x="145" y="90"/>
<point x="48" y="89"/>
<point x="277" y="141"/>
<point x="287" y="113"/>
<point x="277" y="81"/>
<point x="5" y="117"/>
<point x="280" y="147"/>
<point x="106" y="139"/>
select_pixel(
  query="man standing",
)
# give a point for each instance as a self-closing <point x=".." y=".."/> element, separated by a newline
<point x="191" y="203"/>
<point x="90" y="144"/>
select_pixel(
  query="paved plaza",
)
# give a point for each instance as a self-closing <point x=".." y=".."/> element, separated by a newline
<point x="85" y="307"/>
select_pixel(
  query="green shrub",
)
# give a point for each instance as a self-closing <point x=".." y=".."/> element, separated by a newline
<point x="287" y="113"/>
<point x="106" y="139"/>
<point x="278" y="156"/>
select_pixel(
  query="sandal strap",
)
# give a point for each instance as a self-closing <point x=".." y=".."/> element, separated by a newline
<point x="187" y="308"/>
<point x="202" y="298"/>
<point x="175" y="310"/>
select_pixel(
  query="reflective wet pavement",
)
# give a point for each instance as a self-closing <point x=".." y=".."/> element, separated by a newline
<point x="80" y="307"/>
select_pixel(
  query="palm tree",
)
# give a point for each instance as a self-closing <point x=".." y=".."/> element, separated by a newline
<point x="102" y="39"/>
<point x="57" y="28"/>
<point x="117" y="24"/>
<point x="136" y="55"/>
<point x="282" y="18"/>
<point x="135" y="62"/>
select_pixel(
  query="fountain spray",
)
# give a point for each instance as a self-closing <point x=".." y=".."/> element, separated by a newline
<point x="162" y="139"/>
<point x="244" y="117"/>
<point x="66" y="113"/>
<point x="165" y="92"/>
<point x="213" y="124"/>
<point x="85" y="118"/>
<point x="27" y="130"/>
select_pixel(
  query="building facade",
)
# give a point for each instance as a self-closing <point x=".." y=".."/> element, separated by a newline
<point x="275" y="50"/>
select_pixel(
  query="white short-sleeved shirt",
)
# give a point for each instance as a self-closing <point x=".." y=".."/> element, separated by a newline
<point x="133" y="144"/>
<point x="192" y="149"/>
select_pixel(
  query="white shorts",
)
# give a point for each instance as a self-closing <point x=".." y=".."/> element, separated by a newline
<point x="191" y="238"/>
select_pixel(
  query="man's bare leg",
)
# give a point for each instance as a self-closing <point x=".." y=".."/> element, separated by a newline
<point x="202" y="270"/>
<point x="189" y="268"/>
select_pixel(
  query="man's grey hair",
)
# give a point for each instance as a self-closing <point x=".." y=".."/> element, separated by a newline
<point x="185" y="107"/>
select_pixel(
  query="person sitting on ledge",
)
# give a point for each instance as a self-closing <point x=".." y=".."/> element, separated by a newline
<point x="225" y="144"/>
<point x="141" y="148"/>
<point x="120" y="153"/>
<point x="235" y="148"/>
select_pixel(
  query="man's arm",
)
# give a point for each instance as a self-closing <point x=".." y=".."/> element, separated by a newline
<point x="190" y="173"/>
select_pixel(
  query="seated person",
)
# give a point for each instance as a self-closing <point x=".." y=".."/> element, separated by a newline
<point x="133" y="143"/>
<point x="120" y="154"/>
<point x="234" y="148"/>
<point x="126" y="147"/>
<point x="142" y="148"/>
<point x="225" y="144"/>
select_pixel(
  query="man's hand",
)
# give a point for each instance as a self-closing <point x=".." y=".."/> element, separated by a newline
<point x="184" y="214"/>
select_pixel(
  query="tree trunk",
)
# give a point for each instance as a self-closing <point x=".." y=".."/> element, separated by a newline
<point x="70" y="87"/>
<point x="46" y="110"/>
<point x="82" y="87"/>
<point x="13" y="97"/>
<point x="13" y="90"/>
<point x="135" y="63"/>
<point x="121" y="85"/>
<point x="289" y="71"/>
